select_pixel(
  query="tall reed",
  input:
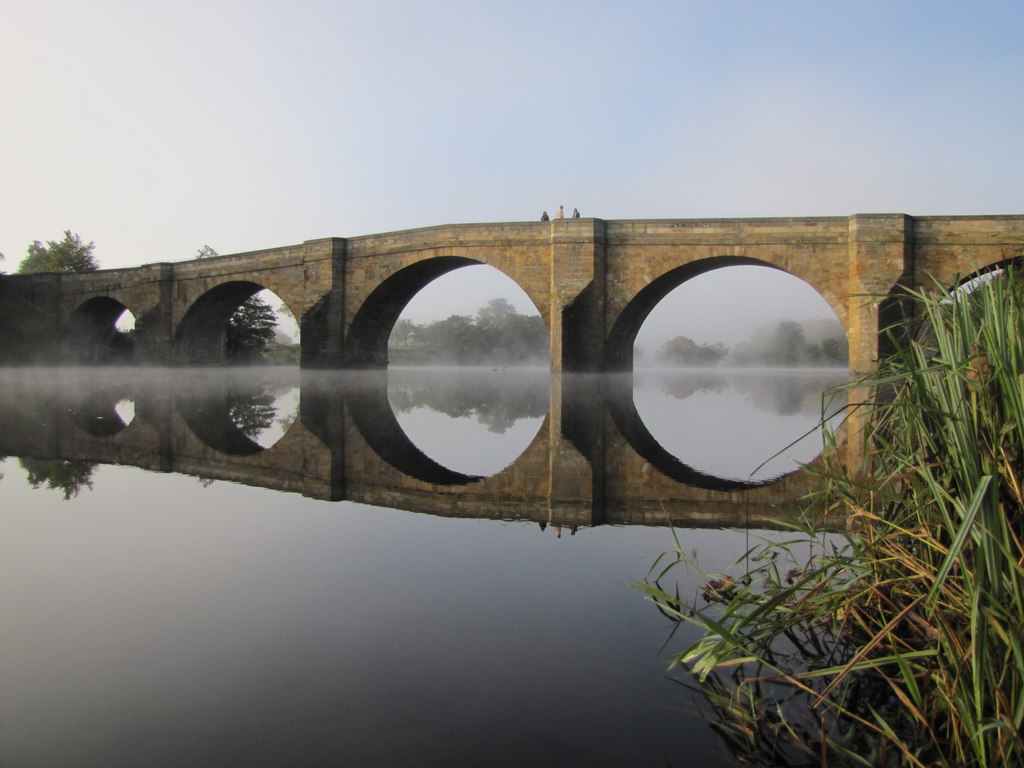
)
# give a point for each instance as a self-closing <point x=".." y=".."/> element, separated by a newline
<point x="902" y="641"/>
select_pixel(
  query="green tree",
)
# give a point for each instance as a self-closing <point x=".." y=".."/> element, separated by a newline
<point x="791" y="343"/>
<point x="250" y="331"/>
<point x="25" y="333"/>
<point x="67" y="255"/>
<point x="520" y="338"/>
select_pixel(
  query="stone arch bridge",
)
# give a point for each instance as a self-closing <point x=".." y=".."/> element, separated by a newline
<point x="593" y="281"/>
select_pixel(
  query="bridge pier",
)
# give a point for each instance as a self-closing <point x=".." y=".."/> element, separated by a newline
<point x="578" y="314"/>
<point x="881" y="263"/>
<point x="322" y="327"/>
<point x="154" y="328"/>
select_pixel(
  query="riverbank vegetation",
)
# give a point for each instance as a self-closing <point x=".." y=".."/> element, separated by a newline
<point x="785" y="343"/>
<point x="899" y="641"/>
<point x="498" y="335"/>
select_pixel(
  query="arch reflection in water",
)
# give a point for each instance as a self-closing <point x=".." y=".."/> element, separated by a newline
<point x="241" y="414"/>
<point x="102" y="412"/>
<point x="580" y="468"/>
<point x="744" y="425"/>
<point x="473" y="421"/>
<point x="125" y="410"/>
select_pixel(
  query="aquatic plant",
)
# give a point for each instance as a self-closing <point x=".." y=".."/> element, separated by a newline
<point x="901" y="640"/>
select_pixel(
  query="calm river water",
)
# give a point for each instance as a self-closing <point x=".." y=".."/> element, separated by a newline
<point x="429" y="568"/>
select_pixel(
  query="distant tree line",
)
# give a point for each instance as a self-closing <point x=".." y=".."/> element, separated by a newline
<point x="786" y="343"/>
<point x="497" y="335"/>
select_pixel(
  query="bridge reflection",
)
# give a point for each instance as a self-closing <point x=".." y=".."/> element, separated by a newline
<point x="593" y="460"/>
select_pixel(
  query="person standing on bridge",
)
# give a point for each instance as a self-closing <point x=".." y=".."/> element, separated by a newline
<point x="575" y="213"/>
<point x="561" y="212"/>
<point x="544" y="216"/>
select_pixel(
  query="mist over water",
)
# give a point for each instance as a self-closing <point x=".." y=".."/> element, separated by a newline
<point x="741" y="424"/>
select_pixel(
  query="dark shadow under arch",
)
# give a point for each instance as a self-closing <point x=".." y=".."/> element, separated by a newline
<point x="202" y="335"/>
<point x="210" y="420"/>
<point x="898" y="311"/>
<point x="91" y="336"/>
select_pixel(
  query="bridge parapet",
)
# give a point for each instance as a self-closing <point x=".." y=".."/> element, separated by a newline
<point x="785" y="231"/>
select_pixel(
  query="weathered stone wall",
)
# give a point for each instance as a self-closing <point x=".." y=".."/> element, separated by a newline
<point x="299" y="274"/>
<point x="382" y="272"/>
<point x="949" y="248"/>
<point x="593" y="281"/>
<point x="30" y="329"/>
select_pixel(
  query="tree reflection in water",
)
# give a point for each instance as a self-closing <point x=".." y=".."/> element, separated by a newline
<point x="497" y="399"/>
<point x="66" y="476"/>
<point x="252" y="412"/>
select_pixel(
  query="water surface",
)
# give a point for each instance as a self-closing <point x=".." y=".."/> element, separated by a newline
<point x="162" y="618"/>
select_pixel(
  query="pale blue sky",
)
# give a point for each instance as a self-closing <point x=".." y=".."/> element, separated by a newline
<point x="155" y="128"/>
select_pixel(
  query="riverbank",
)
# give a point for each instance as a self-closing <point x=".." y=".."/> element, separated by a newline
<point x="899" y="642"/>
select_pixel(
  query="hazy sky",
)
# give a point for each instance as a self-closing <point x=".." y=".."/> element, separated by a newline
<point x="155" y="128"/>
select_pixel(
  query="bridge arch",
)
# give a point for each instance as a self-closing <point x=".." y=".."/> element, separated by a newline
<point x="366" y="343"/>
<point x="960" y="281"/>
<point x="619" y="345"/>
<point x="202" y="334"/>
<point x="90" y="333"/>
